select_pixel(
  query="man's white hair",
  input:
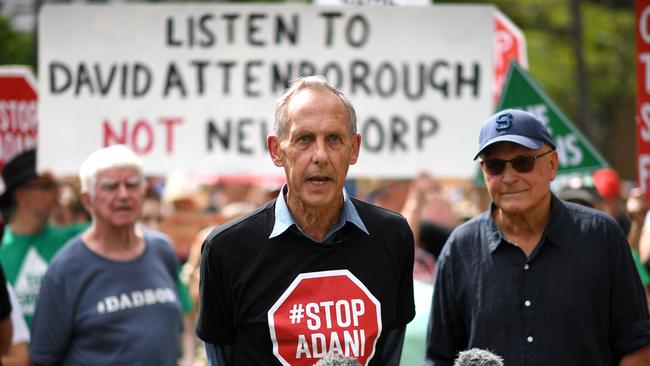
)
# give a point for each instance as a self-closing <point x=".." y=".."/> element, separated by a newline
<point x="108" y="157"/>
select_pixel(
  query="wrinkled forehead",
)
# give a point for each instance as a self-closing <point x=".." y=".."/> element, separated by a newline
<point x="314" y="100"/>
<point x="119" y="173"/>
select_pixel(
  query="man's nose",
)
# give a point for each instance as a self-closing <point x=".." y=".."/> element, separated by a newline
<point x="122" y="189"/>
<point x="509" y="173"/>
<point x="320" y="151"/>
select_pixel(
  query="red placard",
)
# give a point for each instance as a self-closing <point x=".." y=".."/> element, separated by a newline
<point x="509" y="44"/>
<point x="18" y="111"/>
<point x="643" y="93"/>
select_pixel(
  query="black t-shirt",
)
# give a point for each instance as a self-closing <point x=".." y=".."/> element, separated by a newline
<point x="287" y="295"/>
<point x="433" y="237"/>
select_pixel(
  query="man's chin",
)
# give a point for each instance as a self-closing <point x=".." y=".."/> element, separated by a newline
<point x="319" y="201"/>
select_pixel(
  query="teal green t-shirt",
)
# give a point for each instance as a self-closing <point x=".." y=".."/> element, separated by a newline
<point x="25" y="259"/>
<point x="643" y="272"/>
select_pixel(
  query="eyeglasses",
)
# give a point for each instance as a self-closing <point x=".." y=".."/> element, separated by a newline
<point x="111" y="185"/>
<point x="522" y="164"/>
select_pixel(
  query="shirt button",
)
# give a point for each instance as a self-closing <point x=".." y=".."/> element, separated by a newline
<point x="529" y="339"/>
<point x="526" y="267"/>
<point x="527" y="303"/>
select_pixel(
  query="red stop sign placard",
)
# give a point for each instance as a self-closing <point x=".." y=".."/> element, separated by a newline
<point x="509" y="44"/>
<point x="321" y="312"/>
<point x="18" y="111"/>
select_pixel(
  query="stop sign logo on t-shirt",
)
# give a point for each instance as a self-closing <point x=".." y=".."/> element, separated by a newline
<point x="321" y="312"/>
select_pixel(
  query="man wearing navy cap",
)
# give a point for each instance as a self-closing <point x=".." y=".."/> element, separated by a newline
<point x="535" y="279"/>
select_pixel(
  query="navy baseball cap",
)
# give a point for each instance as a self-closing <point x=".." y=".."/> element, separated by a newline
<point x="516" y="126"/>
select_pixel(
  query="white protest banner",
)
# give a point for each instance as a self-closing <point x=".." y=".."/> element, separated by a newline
<point x="374" y="2"/>
<point x="193" y="87"/>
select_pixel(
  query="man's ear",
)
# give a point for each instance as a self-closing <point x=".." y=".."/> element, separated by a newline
<point x="85" y="200"/>
<point x="356" y="146"/>
<point x="273" y="144"/>
<point x="555" y="163"/>
<point x="18" y="194"/>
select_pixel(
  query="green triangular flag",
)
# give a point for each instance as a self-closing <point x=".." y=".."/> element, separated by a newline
<point x="576" y="154"/>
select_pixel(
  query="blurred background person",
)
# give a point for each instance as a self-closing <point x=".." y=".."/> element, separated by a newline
<point x="431" y="217"/>
<point x="109" y="297"/>
<point x="413" y="209"/>
<point x="69" y="210"/>
<point x="608" y="185"/>
<point x="29" y="241"/>
<point x="581" y="190"/>
<point x="6" y="326"/>
<point x="152" y="218"/>
<point x="18" y="354"/>
<point x="152" y="215"/>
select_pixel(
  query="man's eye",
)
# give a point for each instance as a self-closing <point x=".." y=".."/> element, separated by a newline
<point x="334" y="138"/>
<point x="110" y="186"/>
<point x="132" y="185"/>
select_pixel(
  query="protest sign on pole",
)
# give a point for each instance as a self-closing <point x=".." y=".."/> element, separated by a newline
<point x="18" y="111"/>
<point x="193" y="87"/>
<point x="509" y="45"/>
<point x="575" y="152"/>
<point x="643" y="94"/>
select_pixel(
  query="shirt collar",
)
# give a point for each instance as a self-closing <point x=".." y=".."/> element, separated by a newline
<point x="284" y="220"/>
<point x="552" y="233"/>
<point x="556" y="228"/>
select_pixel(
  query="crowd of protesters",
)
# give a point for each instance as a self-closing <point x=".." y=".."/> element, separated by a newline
<point x="61" y="232"/>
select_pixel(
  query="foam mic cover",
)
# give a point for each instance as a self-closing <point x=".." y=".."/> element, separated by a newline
<point x="336" y="359"/>
<point x="478" y="357"/>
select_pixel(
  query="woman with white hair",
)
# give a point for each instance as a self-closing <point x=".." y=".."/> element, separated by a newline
<point x="109" y="296"/>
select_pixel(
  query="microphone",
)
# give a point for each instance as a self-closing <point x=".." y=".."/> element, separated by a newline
<point x="333" y="358"/>
<point x="478" y="357"/>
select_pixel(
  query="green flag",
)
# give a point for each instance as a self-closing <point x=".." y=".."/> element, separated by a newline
<point x="575" y="152"/>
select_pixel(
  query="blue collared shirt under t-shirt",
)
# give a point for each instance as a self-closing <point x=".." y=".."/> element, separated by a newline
<point x="217" y="355"/>
<point x="284" y="220"/>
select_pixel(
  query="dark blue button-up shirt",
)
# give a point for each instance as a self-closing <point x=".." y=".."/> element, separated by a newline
<point x="576" y="300"/>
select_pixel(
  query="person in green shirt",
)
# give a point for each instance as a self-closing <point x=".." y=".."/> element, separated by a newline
<point x="29" y="242"/>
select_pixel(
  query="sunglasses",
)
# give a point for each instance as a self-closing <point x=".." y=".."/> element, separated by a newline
<point x="521" y="164"/>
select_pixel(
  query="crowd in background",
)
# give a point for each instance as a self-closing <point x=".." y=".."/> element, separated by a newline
<point x="187" y="206"/>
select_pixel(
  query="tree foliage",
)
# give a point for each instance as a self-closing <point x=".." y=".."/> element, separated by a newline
<point x="608" y="45"/>
<point x="15" y="48"/>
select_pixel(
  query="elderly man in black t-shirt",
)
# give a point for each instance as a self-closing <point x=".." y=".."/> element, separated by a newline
<point x="314" y="271"/>
<point x="537" y="280"/>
